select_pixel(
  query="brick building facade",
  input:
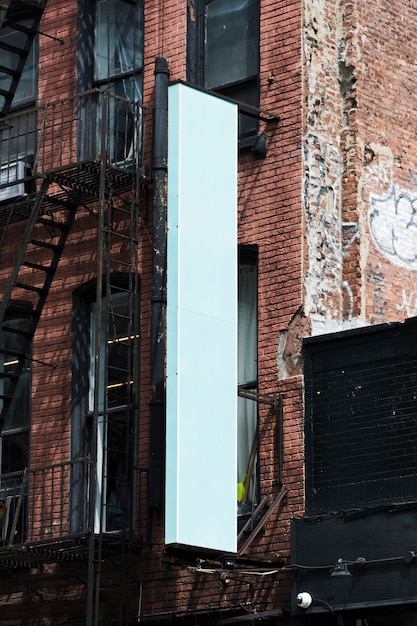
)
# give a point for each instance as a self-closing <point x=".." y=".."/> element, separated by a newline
<point x="326" y="190"/>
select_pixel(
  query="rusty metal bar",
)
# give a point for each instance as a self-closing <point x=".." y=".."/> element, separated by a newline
<point x="263" y="520"/>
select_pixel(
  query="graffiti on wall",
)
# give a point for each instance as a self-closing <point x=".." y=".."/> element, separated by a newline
<point x="392" y="221"/>
<point x="408" y="304"/>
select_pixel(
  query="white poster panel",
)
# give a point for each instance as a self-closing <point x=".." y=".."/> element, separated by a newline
<point x="201" y="428"/>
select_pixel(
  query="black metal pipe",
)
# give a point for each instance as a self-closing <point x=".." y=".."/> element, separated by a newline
<point x="159" y="296"/>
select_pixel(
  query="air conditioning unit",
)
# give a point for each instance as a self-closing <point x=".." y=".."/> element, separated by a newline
<point x="9" y="173"/>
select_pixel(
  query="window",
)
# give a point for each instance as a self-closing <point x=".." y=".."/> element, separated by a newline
<point x="14" y="439"/>
<point x="110" y="58"/>
<point x="224" y="38"/>
<point x="26" y="91"/>
<point x="118" y="47"/>
<point x="110" y="46"/>
<point x="17" y="141"/>
<point x="105" y="389"/>
<point x="118" y="59"/>
<point x="114" y="427"/>
<point x="247" y="378"/>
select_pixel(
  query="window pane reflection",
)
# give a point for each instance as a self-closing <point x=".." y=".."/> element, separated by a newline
<point x="231" y="41"/>
<point x="118" y="38"/>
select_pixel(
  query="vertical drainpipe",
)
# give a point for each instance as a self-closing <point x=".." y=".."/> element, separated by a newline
<point x="156" y="478"/>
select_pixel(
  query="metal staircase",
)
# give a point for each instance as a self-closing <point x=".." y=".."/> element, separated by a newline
<point x="19" y="23"/>
<point x="30" y="280"/>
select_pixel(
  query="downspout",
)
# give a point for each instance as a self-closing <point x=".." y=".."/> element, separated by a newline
<point x="156" y="477"/>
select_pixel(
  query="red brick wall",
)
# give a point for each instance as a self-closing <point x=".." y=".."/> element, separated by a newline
<point x="270" y="216"/>
<point x="359" y="169"/>
<point x="386" y="87"/>
<point x="57" y="59"/>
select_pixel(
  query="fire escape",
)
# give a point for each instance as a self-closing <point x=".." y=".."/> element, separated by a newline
<point x="99" y="169"/>
<point x="15" y="49"/>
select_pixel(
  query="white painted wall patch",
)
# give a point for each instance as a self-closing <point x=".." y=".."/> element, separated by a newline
<point x="393" y="224"/>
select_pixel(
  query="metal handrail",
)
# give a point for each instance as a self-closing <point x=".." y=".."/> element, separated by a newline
<point x="68" y="131"/>
<point x="50" y="502"/>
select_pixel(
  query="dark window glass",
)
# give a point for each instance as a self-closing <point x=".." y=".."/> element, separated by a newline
<point x="114" y="345"/>
<point x="117" y="67"/>
<point x="231" y="53"/>
<point x="104" y="389"/>
<point x="115" y="436"/>
<point x="247" y="429"/>
<point x="17" y="140"/>
<point x="14" y="440"/>
<point x="246" y="92"/>
<point x="118" y="38"/>
<point x="118" y="47"/>
<point x="26" y="91"/>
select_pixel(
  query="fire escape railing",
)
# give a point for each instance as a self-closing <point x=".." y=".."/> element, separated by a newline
<point x="62" y="142"/>
<point x="39" y="505"/>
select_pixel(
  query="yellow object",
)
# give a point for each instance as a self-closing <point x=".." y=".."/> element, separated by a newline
<point x="241" y="488"/>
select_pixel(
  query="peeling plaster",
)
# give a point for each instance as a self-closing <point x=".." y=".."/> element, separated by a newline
<point x="331" y="59"/>
<point x="390" y="209"/>
<point x="290" y="346"/>
<point x="378" y="171"/>
<point x="322" y="192"/>
<point x="319" y="326"/>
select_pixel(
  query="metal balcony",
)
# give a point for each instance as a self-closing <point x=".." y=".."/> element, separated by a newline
<point x="85" y="145"/>
<point x="45" y="514"/>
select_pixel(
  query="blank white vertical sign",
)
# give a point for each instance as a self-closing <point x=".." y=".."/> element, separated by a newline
<point x="201" y="321"/>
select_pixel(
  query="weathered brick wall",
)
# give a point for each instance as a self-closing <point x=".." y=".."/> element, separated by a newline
<point x="387" y="143"/>
<point x="57" y="57"/>
<point x="326" y="132"/>
<point x="359" y="168"/>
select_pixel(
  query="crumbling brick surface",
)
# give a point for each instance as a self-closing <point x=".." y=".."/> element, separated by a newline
<point x="359" y="162"/>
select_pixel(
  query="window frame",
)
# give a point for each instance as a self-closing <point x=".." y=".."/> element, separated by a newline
<point x="196" y="36"/>
<point x="87" y="48"/>
<point x="248" y="255"/>
<point x="18" y="141"/>
<point x="19" y="311"/>
<point x="82" y="444"/>
<point x="32" y="60"/>
<point x="125" y="88"/>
